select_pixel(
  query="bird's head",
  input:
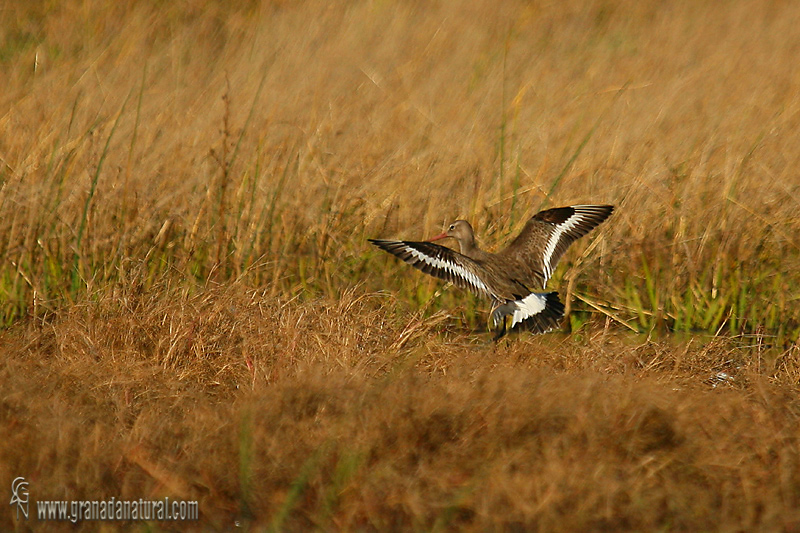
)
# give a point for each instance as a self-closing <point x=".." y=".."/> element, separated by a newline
<point x="459" y="230"/>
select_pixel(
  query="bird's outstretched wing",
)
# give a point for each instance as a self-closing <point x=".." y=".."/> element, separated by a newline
<point x="548" y="234"/>
<point x="438" y="261"/>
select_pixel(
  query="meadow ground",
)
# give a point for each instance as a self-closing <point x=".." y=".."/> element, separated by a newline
<point x="190" y="307"/>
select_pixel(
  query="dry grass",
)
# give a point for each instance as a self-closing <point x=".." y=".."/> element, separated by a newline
<point x="192" y="309"/>
<point x="333" y="414"/>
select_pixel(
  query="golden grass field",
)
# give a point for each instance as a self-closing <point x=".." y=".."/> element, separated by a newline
<point x="190" y="307"/>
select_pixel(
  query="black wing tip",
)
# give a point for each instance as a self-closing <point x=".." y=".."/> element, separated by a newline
<point x="591" y="216"/>
<point x="601" y="212"/>
<point x="380" y="243"/>
<point x="558" y="215"/>
<point x="386" y="244"/>
<point x="391" y="245"/>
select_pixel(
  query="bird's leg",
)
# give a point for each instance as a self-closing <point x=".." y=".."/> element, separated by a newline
<point x="499" y="332"/>
<point x="501" y="329"/>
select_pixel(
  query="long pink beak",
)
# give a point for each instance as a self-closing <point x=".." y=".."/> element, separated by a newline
<point x="438" y="237"/>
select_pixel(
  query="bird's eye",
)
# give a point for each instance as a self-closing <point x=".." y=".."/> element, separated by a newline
<point x="452" y="227"/>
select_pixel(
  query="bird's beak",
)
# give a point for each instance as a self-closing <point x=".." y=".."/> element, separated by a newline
<point x="438" y="237"/>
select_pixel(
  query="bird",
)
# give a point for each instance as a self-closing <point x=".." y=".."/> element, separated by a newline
<point x="513" y="278"/>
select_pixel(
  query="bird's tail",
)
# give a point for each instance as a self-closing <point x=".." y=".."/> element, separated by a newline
<point x="539" y="312"/>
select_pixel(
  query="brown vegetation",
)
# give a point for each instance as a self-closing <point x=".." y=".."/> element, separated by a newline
<point x="191" y="308"/>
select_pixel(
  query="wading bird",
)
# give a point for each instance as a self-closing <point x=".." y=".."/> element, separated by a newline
<point x="511" y="277"/>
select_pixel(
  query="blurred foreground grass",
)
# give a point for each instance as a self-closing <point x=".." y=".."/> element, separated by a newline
<point x="338" y="415"/>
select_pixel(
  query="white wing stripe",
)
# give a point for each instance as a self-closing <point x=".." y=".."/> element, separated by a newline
<point x="448" y="266"/>
<point x="531" y="305"/>
<point x="562" y="228"/>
